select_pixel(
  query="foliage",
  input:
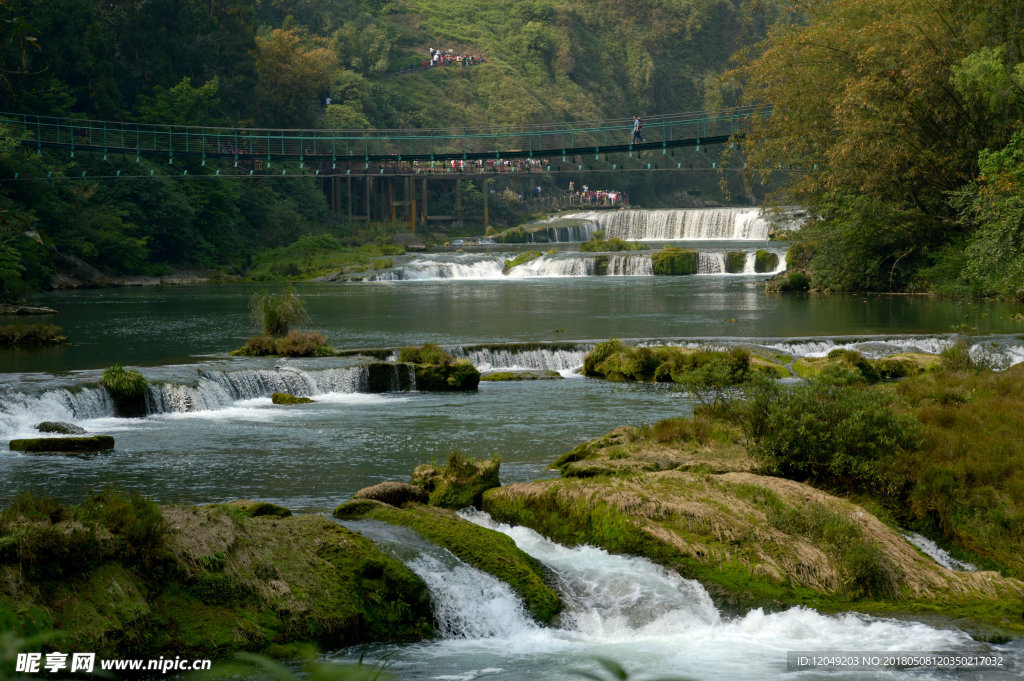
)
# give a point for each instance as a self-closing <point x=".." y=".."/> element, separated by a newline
<point x="461" y="482"/>
<point x="275" y="313"/>
<point x="51" y="541"/>
<point x="597" y="245"/>
<point x="123" y="382"/>
<point x="295" y="344"/>
<point x="843" y="437"/>
<point x="31" y="334"/>
<point x="428" y="353"/>
<point x="887" y="110"/>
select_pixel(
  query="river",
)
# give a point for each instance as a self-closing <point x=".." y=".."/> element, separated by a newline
<point x="213" y="435"/>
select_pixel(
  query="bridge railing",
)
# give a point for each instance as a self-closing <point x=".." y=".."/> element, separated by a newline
<point x="412" y="144"/>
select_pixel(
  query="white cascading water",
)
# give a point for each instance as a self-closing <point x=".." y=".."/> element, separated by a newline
<point x="476" y="267"/>
<point x="555" y="359"/>
<point x="743" y="224"/>
<point x="647" y="619"/>
<point x="937" y="553"/>
<point x="214" y="390"/>
<point x="468" y="603"/>
<point x="622" y="608"/>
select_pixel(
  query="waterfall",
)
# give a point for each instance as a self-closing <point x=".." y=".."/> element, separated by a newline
<point x="742" y="224"/>
<point x="630" y="265"/>
<point x="468" y="603"/>
<point x="213" y="390"/>
<point x="564" y="359"/>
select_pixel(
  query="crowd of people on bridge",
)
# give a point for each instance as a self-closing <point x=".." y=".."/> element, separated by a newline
<point x="449" y="58"/>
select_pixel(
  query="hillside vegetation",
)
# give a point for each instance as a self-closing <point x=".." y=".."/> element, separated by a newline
<point x="274" y="63"/>
<point x="898" y="122"/>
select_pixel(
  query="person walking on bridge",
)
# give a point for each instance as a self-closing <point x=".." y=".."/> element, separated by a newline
<point x="636" y="130"/>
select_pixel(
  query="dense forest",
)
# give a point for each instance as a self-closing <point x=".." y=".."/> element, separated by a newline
<point x="274" y="63"/>
<point x="897" y="122"/>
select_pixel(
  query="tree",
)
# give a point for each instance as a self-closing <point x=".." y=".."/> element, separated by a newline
<point x="182" y="104"/>
<point x="869" y="130"/>
<point x="293" y="79"/>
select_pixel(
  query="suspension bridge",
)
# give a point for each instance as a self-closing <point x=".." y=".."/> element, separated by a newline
<point x="383" y="158"/>
<point x="567" y="139"/>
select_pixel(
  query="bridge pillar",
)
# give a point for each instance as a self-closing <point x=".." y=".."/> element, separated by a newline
<point x="366" y="195"/>
<point x="484" y="190"/>
<point x="410" y="193"/>
<point x="458" y="203"/>
<point x="348" y="181"/>
<point x="424" y="209"/>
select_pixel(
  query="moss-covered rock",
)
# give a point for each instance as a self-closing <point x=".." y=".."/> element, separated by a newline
<point x="528" y="375"/>
<point x="674" y="261"/>
<point x="254" y="509"/>
<point x="60" y="427"/>
<point x="460" y="482"/>
<point x="393" y="493"/>
<point x="524" y="257"/>
<point x="757" y="541"/>
<point x="735" y="262"/>
<point x="765" y="261"/>
<point x="63" y="445"/>
<point x="220" y="581"/>
<point x="457" y="375"/>
<point x="286" y="398"/>
<point x="437" y="370"/>
<point x="484" y="549"/>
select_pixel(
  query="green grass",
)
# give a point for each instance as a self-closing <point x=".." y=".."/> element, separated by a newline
<point x="320" y="255"/>
<point x="121" y="382"/>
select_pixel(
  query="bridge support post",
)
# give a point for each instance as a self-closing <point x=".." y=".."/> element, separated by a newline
<point x="458" y="203"/>
<point x="424" y="204"/>
<point x="366" y="195"/>
<point x="336" y="195"/>
<point x="410" y="193"/>
<point x="348" y="181"/>
<point x="484" y="190"/>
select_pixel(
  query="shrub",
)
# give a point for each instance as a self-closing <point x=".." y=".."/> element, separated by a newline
<point x="428" y="353"/>
<point x="839" y="436"/>
<point x="295" y="344"/>
<point x="795" y="281"/>
<point x="799" y="255"/>
<point x="123" y="382"/>
<point x="276" y="313"/>
<point x="137" y="522"/>
<point x="31" y="334"/>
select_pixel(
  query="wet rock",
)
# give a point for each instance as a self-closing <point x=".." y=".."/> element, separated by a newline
<point x="285" y="398"/>
<point x="60" y="427"/>
<point x="63" y="445"/>
<point x="393" y="493"/>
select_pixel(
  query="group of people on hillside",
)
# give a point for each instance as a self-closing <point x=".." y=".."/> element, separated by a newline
<point x="448" y="58"/>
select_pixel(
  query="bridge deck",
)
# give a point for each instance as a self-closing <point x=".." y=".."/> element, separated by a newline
<point x="533" y="141"/>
